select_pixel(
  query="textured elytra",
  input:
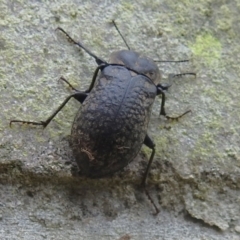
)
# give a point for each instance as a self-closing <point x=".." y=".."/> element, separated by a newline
<point x="111" y="125"/>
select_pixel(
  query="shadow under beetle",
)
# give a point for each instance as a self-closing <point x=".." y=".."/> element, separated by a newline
<point x="111" y="126"/>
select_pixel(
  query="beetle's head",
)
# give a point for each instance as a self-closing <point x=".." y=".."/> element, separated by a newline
<point x="136" y="62"/>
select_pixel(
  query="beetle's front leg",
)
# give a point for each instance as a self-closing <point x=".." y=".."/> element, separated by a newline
<point x="160" y="90"/>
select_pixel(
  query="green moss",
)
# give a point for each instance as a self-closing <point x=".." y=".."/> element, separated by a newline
<point x="146" y="150"/>
<point x="127" y="6"/>
<point x="207" y="47"/>
<point x="187" y="3"/>
<point x="161" y="143"/>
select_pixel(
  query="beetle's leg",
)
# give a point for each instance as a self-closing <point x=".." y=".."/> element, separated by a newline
<point x="98" y="60"/>
<point x="179" y="116"/>
<point x="101" y="63"/>
<point x="80" y="96"/>
<point x="68" y="83"/>
<point x="100" y="67"/>
<point x="160" y="90"/>
<point x="149" y="143"/>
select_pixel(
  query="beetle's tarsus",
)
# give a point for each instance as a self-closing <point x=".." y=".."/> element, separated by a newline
<point x="151" y="200"/>
<point x="178" y="117"/>
<point x="41" y="123"/>
<point x="183" y="74"/>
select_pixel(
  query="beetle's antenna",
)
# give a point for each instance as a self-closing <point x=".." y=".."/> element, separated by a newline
<point x="171" y="76"/>
<point x="97" y="59"/>
<point x="178" y="61"/>
<point x="115" y="25"/>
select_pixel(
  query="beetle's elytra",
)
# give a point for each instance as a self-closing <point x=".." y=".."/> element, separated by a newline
<point x="111" y="126"/>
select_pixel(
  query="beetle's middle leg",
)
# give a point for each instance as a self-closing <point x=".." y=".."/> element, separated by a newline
<point x="80" y="96"/>
<point x="92" y="82"/>
<point x="149" y="143"/>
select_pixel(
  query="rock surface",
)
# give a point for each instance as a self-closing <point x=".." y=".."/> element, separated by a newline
<point x="195" y="178"/>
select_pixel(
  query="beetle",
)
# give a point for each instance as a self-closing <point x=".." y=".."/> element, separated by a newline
<point x="111" y="125"/>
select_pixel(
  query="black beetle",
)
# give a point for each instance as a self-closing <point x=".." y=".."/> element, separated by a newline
<point x="111" y="126"/>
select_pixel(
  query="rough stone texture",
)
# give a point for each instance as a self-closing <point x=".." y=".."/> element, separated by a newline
<point x="195" y="178"/>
